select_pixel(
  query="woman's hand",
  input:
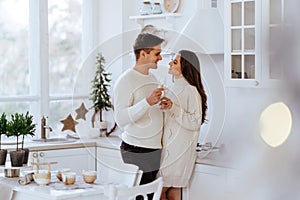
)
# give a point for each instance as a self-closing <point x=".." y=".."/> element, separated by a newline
<point x="165" y="103"/>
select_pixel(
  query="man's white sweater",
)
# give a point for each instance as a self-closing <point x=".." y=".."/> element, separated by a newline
<point x="141" y="123"/>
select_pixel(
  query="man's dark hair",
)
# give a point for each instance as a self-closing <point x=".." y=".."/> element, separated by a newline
<point x="146" y="42"/>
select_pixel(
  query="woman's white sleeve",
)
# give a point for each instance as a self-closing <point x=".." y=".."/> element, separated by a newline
<point x="190" y="117"/>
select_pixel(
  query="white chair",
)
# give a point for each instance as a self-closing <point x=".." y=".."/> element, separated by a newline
<point x="115" y="192"/>
<point x="138" y="178"/>
<point x="112" y="170"/>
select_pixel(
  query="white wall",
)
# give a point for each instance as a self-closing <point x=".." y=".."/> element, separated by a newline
<point x="110" y="15"/>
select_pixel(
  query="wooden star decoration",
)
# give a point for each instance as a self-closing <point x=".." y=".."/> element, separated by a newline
<point x="69" y="123"/>
<point x="81" y="112"/>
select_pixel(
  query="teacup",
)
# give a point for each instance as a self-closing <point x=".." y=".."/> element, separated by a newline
<point x="68" y="178"/>
<point x="58" y="174"/>
<point x="89" y="176"/>
<point x="42" y="177"/>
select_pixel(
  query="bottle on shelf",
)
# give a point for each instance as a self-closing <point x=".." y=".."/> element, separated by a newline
<point x="156" y="8"/>
<point x="146" y="8"/>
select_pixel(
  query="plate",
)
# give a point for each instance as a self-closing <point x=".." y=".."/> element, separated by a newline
<point x="171" y="6"/>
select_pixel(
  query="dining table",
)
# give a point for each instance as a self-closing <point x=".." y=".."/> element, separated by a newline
<point x="11" y="189"/>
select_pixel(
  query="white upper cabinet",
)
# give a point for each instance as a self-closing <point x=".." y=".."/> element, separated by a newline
<point x="274" y="22"/>
<point x="242" y="46"/>
<point x="249" y="26"/>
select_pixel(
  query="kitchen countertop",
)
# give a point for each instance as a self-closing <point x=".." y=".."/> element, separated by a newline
<point x="112" y="142"/>
<point x="210" y="158"/>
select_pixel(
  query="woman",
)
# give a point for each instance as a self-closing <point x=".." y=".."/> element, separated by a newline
<point x="182" y="127"/>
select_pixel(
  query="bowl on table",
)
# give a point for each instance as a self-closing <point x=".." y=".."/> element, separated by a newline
<point x="58" y="174"/>
<point x="89" y="176"/>
<point x="68" y="178"/>
<point x="42" y="177"/>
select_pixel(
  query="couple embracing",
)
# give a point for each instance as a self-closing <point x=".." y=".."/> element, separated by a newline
<point x="160" y="133"/>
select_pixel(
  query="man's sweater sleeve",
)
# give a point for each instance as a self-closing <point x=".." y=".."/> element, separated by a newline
<point x="125" y="112"/>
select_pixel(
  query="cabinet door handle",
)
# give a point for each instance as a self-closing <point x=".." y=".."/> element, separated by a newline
<point x="35" y="155"/>
<point x="42" y="154"/>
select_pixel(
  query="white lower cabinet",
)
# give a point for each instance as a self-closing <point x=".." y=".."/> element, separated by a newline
<point x="77" y="159"/>
<point x="107" y="154"/>
<point x="207" y="182"/>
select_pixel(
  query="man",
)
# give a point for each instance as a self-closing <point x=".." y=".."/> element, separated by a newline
<point x="137" y="110"/>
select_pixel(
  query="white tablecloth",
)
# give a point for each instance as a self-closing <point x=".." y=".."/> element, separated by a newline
<point x="6" y="192"/>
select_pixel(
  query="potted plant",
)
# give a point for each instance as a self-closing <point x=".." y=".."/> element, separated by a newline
<point x="20" y="125"/>
<point x="3" y="131"/>
<point x="29" y="129"/>
<point x="100" y="95"/>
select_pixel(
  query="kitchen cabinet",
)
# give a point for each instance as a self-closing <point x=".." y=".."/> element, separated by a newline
<point x="273" y="23"/>
<point x="248" y="57"/>
<point x="207" y="182"/>
<point x="107" y="154"/>
<point x="77" y="159"/>
<point x="242" y="43"/>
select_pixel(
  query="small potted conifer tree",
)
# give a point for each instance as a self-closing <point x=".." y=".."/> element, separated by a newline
<point x="3" y="131"/>
<point x="100" y="95"/>
<point x="20" y="125"/>
<point x="29" y="130"/>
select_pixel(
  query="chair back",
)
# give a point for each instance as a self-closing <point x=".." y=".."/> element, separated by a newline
<point x="138" y="178"/>
<point x="116" y="193"/>
<point x="115" y="171"/>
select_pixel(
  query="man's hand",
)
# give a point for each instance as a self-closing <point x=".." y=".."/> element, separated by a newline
<point x="154" y="97"/>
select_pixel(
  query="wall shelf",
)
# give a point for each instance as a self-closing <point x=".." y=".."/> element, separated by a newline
<point x="141" y="18"/>
<point x="153" y="16"/>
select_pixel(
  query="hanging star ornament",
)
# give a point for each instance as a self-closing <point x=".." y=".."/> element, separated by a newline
<point x="69" y="123"/>
<point x="81" y="112"/>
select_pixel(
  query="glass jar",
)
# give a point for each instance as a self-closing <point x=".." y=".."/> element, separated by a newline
<point x="156" y="8"/>
<point x="146" y="8"/>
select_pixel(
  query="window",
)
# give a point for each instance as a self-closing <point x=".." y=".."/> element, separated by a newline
<point x="41" y="87"/>
<point x="65" y="28"/>
<point x="14" y="70"/>
<point x="64" y="22"/>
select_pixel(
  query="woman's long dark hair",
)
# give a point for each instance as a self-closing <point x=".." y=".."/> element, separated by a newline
<point x="190" y="67"/>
